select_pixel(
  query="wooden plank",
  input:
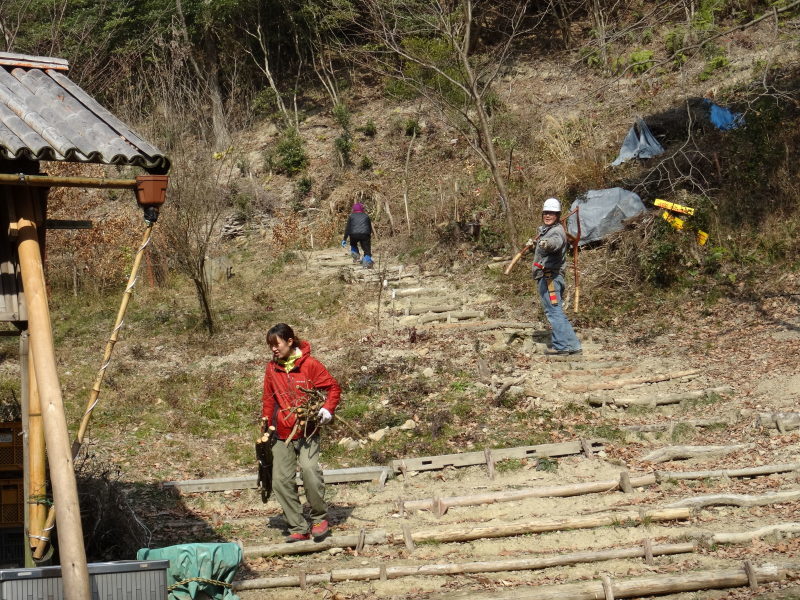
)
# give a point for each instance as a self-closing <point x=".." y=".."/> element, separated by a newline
<point x="468" y="459"/>
<point x="349" y="475"/>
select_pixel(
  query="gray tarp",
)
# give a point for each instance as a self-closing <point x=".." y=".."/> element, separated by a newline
<point x="602" y="212"/>
<point x="639" y="143"/>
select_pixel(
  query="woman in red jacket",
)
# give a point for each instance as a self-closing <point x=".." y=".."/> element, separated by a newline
<point x="288" y="376"/>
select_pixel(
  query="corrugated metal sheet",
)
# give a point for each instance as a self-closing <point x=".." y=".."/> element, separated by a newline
<point x="46" y="116"/>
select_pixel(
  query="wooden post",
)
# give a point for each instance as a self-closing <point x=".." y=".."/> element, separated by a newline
<point x="74" y="570"/>
<point x="648" y="551"/>
<point x="489" y="463"/>
<point x="752" y="580"/>
<point x="608" y="588"/>
<point x="408" y="538"/>
<point x="625" y="482"/>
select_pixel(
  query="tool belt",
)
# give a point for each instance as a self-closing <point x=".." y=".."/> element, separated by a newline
<point x="549" y="277"/>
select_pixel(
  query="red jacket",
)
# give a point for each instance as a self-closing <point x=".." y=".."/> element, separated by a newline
<point x="281" y="390"/>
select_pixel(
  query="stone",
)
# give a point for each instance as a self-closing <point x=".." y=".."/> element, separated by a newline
<point x="410" y="424"/>
<point x="377" y="436"/>
<point x="429" y="372"/>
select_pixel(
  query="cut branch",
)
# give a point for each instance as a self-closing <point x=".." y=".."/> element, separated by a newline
<point x="611" y="385"/>
<point x="683" y="452"/>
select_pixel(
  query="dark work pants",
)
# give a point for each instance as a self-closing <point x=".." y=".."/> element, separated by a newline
<point x="364" y="241"/>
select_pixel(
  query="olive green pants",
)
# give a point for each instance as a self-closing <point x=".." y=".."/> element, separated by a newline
<point x="285" y="459"/>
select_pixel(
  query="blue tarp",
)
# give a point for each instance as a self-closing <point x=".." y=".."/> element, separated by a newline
<point x="602" y="212"/>
<point x="214" y="562"/>
<point x="639" y="143"/>
<point x="723" y="118"/>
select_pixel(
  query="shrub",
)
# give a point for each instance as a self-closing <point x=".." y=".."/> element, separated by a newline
<point x="366" y="163"/>
<point x="411" y="127"/>
<point x="344" y="146"/>
<point x="341" y="114"/>
<point x="369" y="129"/>
<point x="290" y="154"/>
<point x="304" y="185"/>
<point x="640" y="61"/>
<point x="714" y="64"/>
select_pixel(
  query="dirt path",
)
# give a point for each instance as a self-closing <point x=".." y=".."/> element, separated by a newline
<point x="450" y="320"/>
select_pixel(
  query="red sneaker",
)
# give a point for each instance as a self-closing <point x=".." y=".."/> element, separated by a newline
<point x="298" y="537"/>
<point x="320" y="529"/>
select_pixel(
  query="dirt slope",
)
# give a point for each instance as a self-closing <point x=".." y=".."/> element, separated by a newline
<point x="754" y="351"/>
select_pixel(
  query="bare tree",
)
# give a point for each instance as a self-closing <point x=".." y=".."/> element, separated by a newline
<point x="197" y="200"/>
<point x="430" y="46"/>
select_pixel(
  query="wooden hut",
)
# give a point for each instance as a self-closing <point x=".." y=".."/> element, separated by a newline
<point x="44" y="116"/>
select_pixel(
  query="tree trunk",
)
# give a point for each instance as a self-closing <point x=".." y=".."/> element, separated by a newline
<point x="205" y="305"/>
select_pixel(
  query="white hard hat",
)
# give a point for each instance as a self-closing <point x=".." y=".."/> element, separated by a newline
<point x="551" y="205"/>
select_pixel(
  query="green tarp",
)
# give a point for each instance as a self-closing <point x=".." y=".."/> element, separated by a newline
<point x="194" y="568"/>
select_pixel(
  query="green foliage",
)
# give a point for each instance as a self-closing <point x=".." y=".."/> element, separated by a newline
<point x="715" y="63"/>
<point x="341" y="114"/>
<point x="369" y="129"/>
<point x="397" y="89"/>
<point x="509" y="464"/>
<point x="443" y="80"/>
<point x="661" y="262"/>
<point x="705" y="16"/>
<point x="290" y="154"/>
<point x="547" y="464"/>
<point x="366" y="163"/>
<point x="411" y="127"/>
<point x="640" y="61"/>
<point x="303" y="186"/>
<point x="264" y="104"/>
<point x="674" y="42"/>
<point x="344" y="146"/>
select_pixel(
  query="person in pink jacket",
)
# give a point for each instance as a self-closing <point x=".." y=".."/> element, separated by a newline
<point x="288" y="378"/>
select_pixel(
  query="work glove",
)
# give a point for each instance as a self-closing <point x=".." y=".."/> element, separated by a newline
<point x="529" y="242"/>
<point x="544" y="245"/>
<point x="344" y="243"/>
<point x="324" y="416"/>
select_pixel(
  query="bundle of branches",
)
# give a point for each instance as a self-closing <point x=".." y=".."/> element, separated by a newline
<point x="112" y="530"/>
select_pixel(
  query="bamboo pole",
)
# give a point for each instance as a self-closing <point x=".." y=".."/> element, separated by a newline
<point x="52" y="181"/>
<point x="74" y="571"/>
<point x="555" y="491"/>
<point x="123" y="307"/>
<point x="495" y="566"/>
<point x="38" y="459"/>
<point x="542" y="525"/>
<point x="638" y="586"/>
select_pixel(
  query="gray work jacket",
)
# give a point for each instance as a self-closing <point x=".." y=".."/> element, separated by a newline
<point x="551" y="251"/>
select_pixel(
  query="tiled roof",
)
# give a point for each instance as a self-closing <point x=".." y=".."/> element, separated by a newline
<point x="46" y="116"/>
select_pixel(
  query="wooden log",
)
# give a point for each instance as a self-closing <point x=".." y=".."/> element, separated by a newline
<point x="743" y="537"/>
<point x="746" y="472"/>
<point x="663" y="399"/>
<point x="683" y="452"/>
<point x="612" y="385"/>
<point x="458" y="314"/>
<point x="384" y="572"/>
<point x="593" y="372"/>
<point x="635" y="587"/>
<point x="74" y="568"/>
<point x="378" y="536"/>
<point x="650" y="427"/>
<point x="542" y="525"/>
<point x="439" y="308"/>
<point x="417" y="291"/>
<point x="785" y="421"/>
<point x="557" y="491"/>
<point x="742" y="500"/>
<point x="489" y="325"/>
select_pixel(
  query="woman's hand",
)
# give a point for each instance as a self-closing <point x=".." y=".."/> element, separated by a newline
<point x="324" y="416"/>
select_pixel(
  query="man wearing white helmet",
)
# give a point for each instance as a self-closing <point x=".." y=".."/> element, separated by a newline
<point x="549" y="266"/>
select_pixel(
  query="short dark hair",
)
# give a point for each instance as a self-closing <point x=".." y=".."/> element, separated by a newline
<point x="283" y="331"/>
